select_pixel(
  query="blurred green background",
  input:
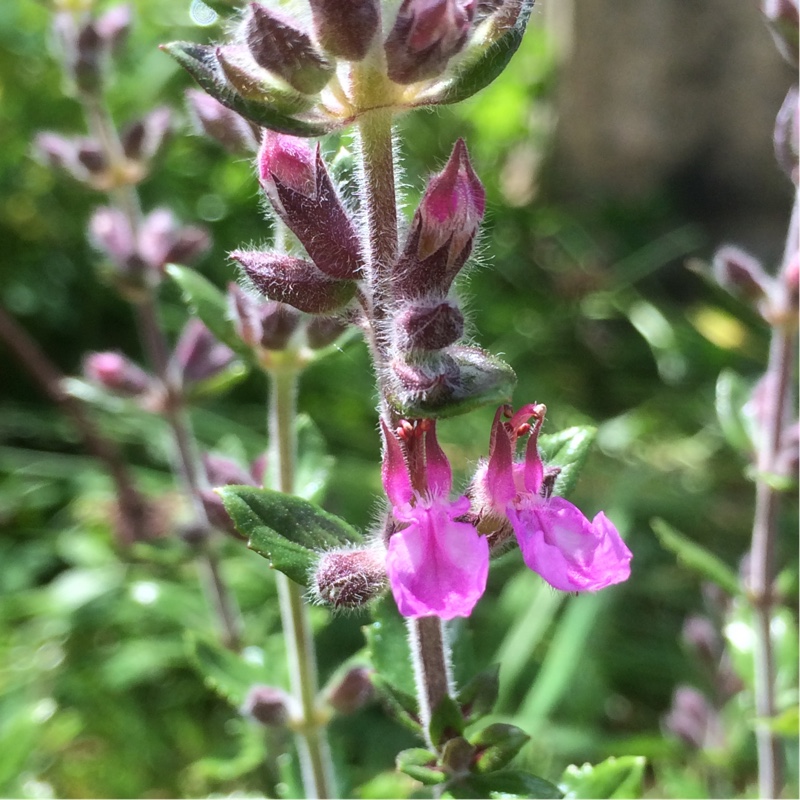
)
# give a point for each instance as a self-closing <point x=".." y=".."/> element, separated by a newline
<point x="590" y="300"/>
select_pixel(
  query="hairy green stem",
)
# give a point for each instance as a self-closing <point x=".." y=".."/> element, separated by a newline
<point x="778" y="401"/>
<point x="312" y="742"/>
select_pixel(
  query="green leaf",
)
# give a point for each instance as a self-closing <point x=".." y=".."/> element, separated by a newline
<point x="504" y="784"/>
<point x="732" y="393"/>
<point x="446" y="721"/>
<point x="387" y="644"/>
<point x="287" y="530"/>
<point x="207" y="302"/>
<point x="314" y="463"/>
<point x="274" y="112"/>
<point x="477" y="698"/>
<point x="484" y="379"/>
<point x="402" y="706"/>
<point x="223" y="671"/>
<point x="420" y="764"/>
<point x="696" y="557"/>
<point x="478" y="69"/>
<point x="497" y="745"/>
<point x="617" y="778"/>
<point x="567" y="449"/>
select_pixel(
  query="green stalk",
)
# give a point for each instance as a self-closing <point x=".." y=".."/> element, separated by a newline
<point x="311" y="740"/>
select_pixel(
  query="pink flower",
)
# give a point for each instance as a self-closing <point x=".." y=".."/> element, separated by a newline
<point x="437" y="565"/>
<point x="557" y="541"/>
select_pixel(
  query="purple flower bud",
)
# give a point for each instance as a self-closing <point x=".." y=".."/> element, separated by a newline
<point x="91" y="156"/>
<point x="425" y="36"/>
<point x="110" y="231"/>
<point x="349" y="578"/>
<point x="431" y="326"/>
<point x="300" y="189"/>
<point x="222" y="471"/>
<point x="741" y="274"/>
<point x="268" y="705"/>
<point x="786" y="138"/>
<point x="345" y="28"/>
<point x="427" y="379"/>
<point x="323" y="331"/>
<point x="784" y="24"/>
<point x="443" y="229"/>
<point x="87" y="67"/>
<point x="141" y="140"/>
<point x="233" y="132"/>
<point x="161" y="240"/>
<point x="269" y="325"/>
<point x="198" y="355"/>
<point x="55" y="150"/>
<point x="117" y="374"/>
<point x="703" y="639"/>
<point x="694" y="720"/>
<point x="114" y="26"/>
<point x="280" y="47"/>
<point x="294" y="281"/>
<point x="351" y="692"/>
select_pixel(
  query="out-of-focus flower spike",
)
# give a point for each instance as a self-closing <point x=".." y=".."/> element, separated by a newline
<point x="784" y="24"/>
<point x="741" y="274"/>
<point x="283" y="49"/>
<point x="198" y="355"/>
<point x="142" y="139"/>
<point x="117" y="374"/>
<point x="114" y="26"/>
<point x="394" y="471"/>
<point x="786" y="138"/>
<point x="346" y="28"/>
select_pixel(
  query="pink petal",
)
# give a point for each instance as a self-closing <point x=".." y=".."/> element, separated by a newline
<point x="394" y="473"/>
<point x="440" y="476"/>
<point x="436" y="566"/>
<point x="499" y="475"/>
<point x="568" y="551"/>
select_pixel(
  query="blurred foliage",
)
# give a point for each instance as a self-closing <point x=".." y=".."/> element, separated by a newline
<point x="100" y="691"/>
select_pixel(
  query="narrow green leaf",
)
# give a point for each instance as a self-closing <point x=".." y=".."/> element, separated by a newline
<point x="504" y="784"/>
<point x="480" y="68"/>
<point x="696" y="557"/>
<point x="274" y="112"/>
<point x="446" y="721"/>
<point x="402" y="706"/>
<point x="387" y="643"/>
<point x="223" y="671"/>
<point x="207" y="302"/>
<point x="420" y="764"/>
<point x="497" y="745"/>
<point x="617" y="778"/>
<point x="289" y="531"/>
<point x="567" y="449"/>
<point x="484" y="379"/>
<point x="477" y="698"/>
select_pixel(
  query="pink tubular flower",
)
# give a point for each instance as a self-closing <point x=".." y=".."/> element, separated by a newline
<point x="437" y="566"/>
<point x="557" y="541"/>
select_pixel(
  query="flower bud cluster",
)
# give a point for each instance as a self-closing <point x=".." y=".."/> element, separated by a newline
<point x="87" y="160"/>
<point x="139" y="254"/>
<point x="292" y="77"/>
<point x="301" y="191"/>
<point x="427" y="320"/>
<point x="88" y="45"/>
<point x="198" y="357"/>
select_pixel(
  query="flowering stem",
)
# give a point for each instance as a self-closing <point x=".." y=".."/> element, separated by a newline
<point x="380" y="211"/>
<point x="765" y="523"/>
<point x="312" y="743"/>
<point x="431" y="666"/>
